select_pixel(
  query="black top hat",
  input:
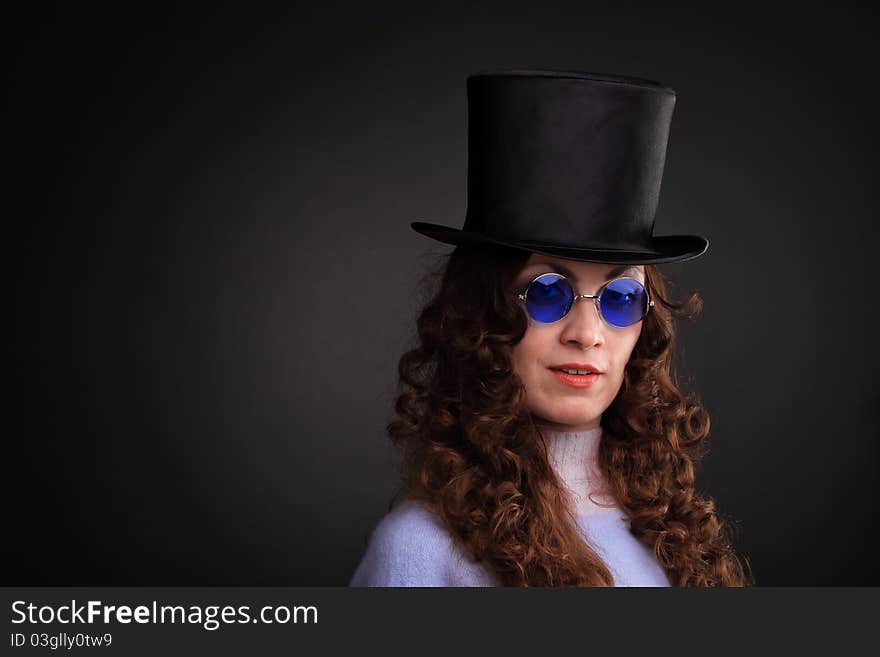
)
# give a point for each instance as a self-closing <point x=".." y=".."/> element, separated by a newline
<point x="567" y="164"/>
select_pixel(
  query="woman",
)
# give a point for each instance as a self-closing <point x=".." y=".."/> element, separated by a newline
<point x="544" y="440"/>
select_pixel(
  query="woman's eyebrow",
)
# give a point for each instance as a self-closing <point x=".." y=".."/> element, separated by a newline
<point x="568" y="273"/>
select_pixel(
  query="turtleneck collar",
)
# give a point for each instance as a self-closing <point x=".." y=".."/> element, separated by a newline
<point x="574" y="457"/>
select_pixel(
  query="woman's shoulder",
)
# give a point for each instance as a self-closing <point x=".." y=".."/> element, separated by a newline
<point x="412" y="528"/>
<point x="410" y="546"/>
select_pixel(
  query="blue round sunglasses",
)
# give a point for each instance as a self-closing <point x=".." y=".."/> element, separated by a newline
<point x="621" y="302"/>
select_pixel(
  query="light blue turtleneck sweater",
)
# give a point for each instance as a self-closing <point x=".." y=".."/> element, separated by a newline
<point x="411" y="547"/>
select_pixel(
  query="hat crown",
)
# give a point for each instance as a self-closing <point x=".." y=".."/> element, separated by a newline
<point x="562" y="158"/>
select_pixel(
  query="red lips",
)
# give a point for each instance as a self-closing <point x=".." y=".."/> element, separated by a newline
<point x="578" y="366"/>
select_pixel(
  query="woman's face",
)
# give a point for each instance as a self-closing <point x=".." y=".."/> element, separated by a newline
<point x="581" y="337"/>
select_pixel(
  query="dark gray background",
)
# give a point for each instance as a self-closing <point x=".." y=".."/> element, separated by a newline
<point x="212" y="271"/>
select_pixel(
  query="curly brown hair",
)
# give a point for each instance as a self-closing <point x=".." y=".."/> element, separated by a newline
<point x="471" y="450"/>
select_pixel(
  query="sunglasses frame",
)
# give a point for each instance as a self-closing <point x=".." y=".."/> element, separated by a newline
<point x="595" y="297"/>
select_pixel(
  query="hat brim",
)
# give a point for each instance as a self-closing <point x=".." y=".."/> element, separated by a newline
<point x="664" y="248"/>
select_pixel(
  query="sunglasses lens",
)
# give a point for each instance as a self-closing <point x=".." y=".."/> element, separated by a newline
<point x="549" y="298"/>
<point x="624" y="302"/>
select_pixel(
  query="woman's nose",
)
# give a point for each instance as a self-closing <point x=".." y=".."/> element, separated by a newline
<point x="583" y="324"/>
